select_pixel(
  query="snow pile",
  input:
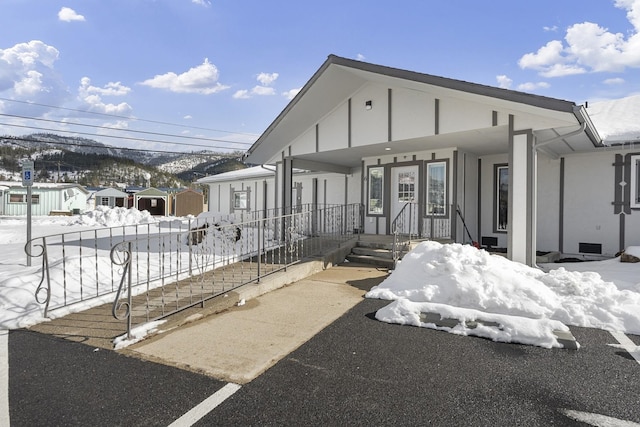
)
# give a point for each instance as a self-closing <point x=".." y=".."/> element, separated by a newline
<point x="463" y="283"/>
<point x="105" y="216"/>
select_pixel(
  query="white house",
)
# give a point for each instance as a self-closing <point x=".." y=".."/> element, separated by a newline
<point x="525" y="172"/>
<point x="46" y="198"/>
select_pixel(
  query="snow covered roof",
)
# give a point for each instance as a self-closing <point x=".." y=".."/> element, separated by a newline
<point x="248" y="173"/>
<point x="617" y="120"/>
<point x="44" y="185"/>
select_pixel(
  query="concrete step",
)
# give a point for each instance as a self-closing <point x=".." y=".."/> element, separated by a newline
<point x="373" y="260"/>
<point x="374" y="252"/>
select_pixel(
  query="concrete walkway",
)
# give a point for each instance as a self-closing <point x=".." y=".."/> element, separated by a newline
<point x="239" y="344"/>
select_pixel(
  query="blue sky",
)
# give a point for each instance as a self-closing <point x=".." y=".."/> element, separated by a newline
<point x="222" y="70"/>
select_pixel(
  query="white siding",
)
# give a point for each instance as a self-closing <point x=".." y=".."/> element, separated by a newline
<point x="412" y="114"/>
<point x="305" y="144"/>
<point x="334" y="129"/>
<point x="370" y="126"/>
<point x="588" y="212"/>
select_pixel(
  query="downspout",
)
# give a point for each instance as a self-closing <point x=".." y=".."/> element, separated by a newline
<point x="535" y="148"/>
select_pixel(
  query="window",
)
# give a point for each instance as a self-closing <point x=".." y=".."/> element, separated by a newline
<point x="16" y="198"/>
<point x="240" y="199"/>
<point x="437" y="188"/>
<point x="635" y="181"/>
<point x="154" y="203"/>
<point x="376" y="190"/>
<point x="22" y="198"/>
<point x="406" y="186"/>
<point x="501" y="197"/>
<point x="104" y="201"/>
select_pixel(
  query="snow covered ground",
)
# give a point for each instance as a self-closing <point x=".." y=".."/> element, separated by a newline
<point x="455" y="281"/>
<point x="516" y="303"/>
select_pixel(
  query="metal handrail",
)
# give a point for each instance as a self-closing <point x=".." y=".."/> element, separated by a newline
<point x="398" y="226"/>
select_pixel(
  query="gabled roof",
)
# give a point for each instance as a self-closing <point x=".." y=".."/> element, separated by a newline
<point x="339" y="77"/>
<point x="113" y="192"/>
<point x="151" y="192"/>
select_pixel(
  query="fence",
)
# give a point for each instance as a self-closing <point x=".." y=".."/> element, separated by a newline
<point x="155" y="270"/>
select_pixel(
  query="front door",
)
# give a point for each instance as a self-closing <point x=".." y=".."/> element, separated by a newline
<point x="404" y="190"/>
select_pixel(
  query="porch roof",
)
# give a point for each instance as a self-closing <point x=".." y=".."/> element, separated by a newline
<point x="339" y="77"/>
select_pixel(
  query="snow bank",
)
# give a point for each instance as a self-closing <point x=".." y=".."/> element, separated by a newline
<point x="105" y="216"/>
<point x="458" y="278"/>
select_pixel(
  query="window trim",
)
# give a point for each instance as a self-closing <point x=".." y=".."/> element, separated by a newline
<point x="381" y="211"/>
<point x="497" y="169"/>
<point x="428" y="164"/>
<point x="235" y="199"/>
<point x="35" y="198"/>
<point x="634" y="200"/>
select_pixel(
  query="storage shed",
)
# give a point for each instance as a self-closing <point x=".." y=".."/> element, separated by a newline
<point x="188" y="202"/>
<point x="152" y="200"/>
<point x="111" y="197"/>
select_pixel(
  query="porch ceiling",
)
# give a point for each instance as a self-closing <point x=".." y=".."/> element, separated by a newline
<point x="481" y="142"/>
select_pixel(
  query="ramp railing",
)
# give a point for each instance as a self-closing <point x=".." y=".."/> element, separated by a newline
<point x="154" y="270"/>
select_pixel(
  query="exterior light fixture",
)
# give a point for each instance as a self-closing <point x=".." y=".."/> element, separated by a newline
<point x="368" y="105"/>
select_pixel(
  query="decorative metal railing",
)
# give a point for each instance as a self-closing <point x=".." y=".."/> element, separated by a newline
<point x="404" y="229"/>
<point x="155" y="270"/>
<point x="406" y="226"/>
<point x="76" y="266"/>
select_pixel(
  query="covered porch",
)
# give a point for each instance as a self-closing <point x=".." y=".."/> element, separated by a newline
<point x="458" y="159"/>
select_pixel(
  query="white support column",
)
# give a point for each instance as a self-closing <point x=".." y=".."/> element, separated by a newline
<point x="521" y="230"/>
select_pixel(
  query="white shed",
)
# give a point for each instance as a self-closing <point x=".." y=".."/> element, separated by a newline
<point x="111" y="197"/>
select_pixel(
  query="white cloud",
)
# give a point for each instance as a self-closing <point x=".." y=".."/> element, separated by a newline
<point x="67" y="14"/>
<point x="29" y="55"/>
<point x="110" y="89"/>
<point x="205" y="3"/>
<point x="92" y="97"/>
<point x="188" y="117"/>
<point x="263" y="91"/>
<point x="241" y="94"/>
<point x="267" y="79"/>
<point x="614" y="81"/>
<point x="504" y="82"/>
<point x="29" y="85"/>
<point x="202" y="79"/>
<point x="290" y="94"/>
<point x="532" y="87"/>
<point x="360" y="57"/>
<point x="588" y="47"/>
<point x="551" y="29"/>
<point x="27" y="73"/>
<point x="95" y="104"/>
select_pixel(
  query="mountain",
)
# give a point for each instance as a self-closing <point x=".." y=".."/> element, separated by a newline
<point x="88" y="162"/>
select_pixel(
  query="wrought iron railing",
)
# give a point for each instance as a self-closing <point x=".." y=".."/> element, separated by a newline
<point x="404" y="229"/>
<point x="409" y="225"/>
<point x="75" y="266"/>
<point x="157" y="269"/>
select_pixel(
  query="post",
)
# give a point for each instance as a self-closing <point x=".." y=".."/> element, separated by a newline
<point x="27" y="181"/>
